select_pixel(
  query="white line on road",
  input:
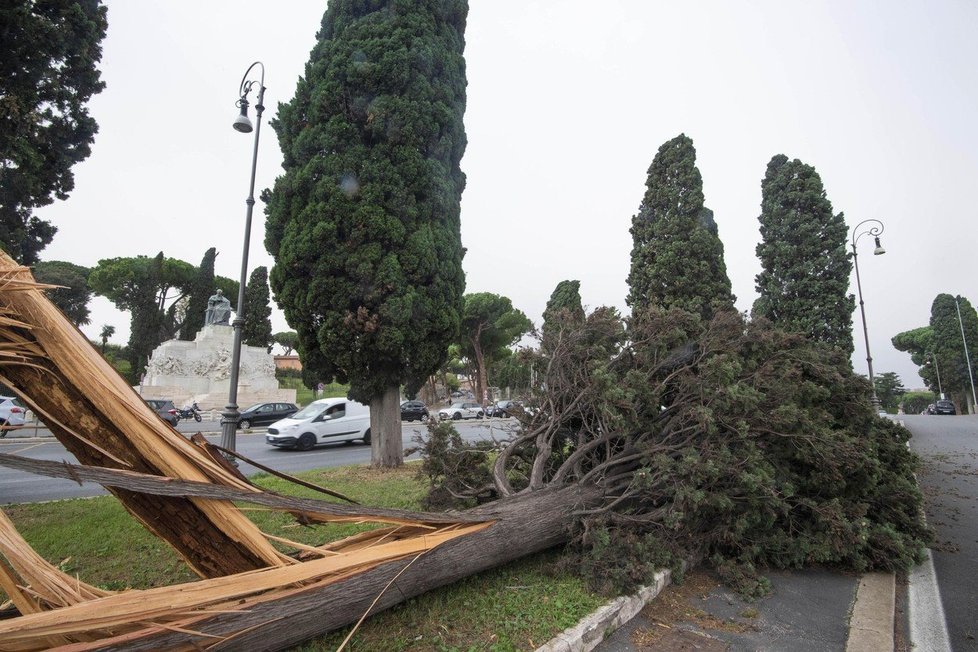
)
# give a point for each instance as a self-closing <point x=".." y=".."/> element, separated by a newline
<point x="928" y="629"/>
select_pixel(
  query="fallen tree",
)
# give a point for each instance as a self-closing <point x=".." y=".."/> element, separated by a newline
<point x="655" y="441"/>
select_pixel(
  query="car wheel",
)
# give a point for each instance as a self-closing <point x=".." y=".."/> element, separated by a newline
<point x="366" y="437"/>
<point x="3" y="433"/>
<point x="306" y="442"/>
<point x="244" y="424"/>
<point x="457" y="416"/>
<point x="481" y="415"/>
<point x="424" y="418"/>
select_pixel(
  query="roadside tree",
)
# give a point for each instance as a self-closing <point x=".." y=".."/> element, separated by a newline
<point x="804" y="281"/>
<point x="677" y="256"/>
<point x="364" y="223"/>
<point x="490" y="325"/>
<point x="73" y="294"/>
<point x="201" y="289"/>
<point x="257" y="327"/>
<point x="49" y="56"/>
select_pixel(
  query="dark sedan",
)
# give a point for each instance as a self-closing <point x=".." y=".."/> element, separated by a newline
<point x="165" y="408"/>
<point x="414" y="411"/>
<point x="263" y="414"/>
<point x="944" y="407"/>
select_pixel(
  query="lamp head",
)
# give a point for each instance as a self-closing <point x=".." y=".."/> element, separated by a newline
<point x="879" y="251"/>
<point x="243" y="123"/>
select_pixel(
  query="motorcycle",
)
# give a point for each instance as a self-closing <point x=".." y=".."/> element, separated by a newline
<point x="192" y="412"/>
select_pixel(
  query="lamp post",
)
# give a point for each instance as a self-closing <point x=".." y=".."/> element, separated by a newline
<point x="231" y="415"/>
<point x="967" y="356"/>
<point x="937" y="368"/>
<point x="874" y="231"/>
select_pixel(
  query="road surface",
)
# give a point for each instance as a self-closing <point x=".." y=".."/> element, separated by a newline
<point x="21" y="487"/>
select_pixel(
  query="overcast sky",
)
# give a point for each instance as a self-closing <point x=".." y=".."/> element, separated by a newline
<point x="568" y="102"/>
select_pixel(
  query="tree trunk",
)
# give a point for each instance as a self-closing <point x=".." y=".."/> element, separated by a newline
<point x="525" y="524"/>
<point x="480" y="379"/>
<point x="386" y="446"/>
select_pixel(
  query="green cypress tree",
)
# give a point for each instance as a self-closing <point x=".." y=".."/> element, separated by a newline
<point x="201" y="290"/>
<point x="564" y="308"/>
<point x="677" y="258"/>
<point x="48" y="59"/>
<point x="804" y="282"/>
<point x="949" y="347"/>
<point x="257" y="330"/>
<point x="364" y="223"/>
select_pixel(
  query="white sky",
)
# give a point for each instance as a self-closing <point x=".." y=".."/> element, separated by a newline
<point x="567" y="104"/>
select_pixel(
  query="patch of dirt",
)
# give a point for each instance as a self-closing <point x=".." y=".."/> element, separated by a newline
<point x="674" y="618"/>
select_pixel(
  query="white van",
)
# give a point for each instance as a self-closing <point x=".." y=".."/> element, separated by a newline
<point x="320" y="422"/>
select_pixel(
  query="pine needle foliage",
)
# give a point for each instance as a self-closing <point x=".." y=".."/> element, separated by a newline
<point x="364" y="223"/>
<point x="677" y="258"/>
<point x="804" y="282"/>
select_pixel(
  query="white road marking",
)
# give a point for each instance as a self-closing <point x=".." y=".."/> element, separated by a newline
<point x="928" y="628"/>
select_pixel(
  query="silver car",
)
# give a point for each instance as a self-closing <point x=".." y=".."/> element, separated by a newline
<point x="12" y="413"/>
<point x="461" y="410"/>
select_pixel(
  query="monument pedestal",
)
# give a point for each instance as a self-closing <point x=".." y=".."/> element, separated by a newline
<point x="201" y="371"/>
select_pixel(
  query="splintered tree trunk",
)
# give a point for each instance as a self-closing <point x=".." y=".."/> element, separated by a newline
<point x="386" y="447"/>
<point x="523" y="525"/>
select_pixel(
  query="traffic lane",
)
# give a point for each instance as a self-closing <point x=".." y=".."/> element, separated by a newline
<point x="948" y="448"/>
<point x="21" y="487"/>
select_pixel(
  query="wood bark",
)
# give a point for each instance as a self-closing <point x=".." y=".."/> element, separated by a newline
<point x="524" y="524"/>
<point x="386" y="447"/>
<point x="64" y="378"/>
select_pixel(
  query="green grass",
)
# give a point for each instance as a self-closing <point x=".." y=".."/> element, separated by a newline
<point x="515" y="607"/>
<point x="305" y="396"/>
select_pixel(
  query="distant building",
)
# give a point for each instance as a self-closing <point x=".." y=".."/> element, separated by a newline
<point x="288" y="362"/>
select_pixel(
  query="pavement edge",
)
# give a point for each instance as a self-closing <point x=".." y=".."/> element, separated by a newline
<point x="595" y="627"/>
<point x="873" y="617"/>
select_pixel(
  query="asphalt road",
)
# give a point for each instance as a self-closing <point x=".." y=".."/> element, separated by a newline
<point x="21" y="487"/>
<point x="948" y="447"/>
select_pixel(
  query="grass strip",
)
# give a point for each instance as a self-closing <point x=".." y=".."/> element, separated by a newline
<point x="515" y="607"/>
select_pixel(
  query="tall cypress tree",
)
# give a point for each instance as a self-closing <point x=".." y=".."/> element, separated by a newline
<point x="563" y="308"/>
<point x="48" y="59"/>
<point x="257" y="329"/>
<point x="364" y="223"/>
<point x="804" y="282"/>
<point x="949" y="348"/>
<point x="677" y="258"/>
<point x="202" y="289"/>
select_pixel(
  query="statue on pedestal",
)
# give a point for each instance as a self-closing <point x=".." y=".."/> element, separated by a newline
<point x="218" y="310"/>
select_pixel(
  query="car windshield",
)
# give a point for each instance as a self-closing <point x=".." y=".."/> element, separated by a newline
<point x="457" y="406"/>
<point x="310" y="411"/>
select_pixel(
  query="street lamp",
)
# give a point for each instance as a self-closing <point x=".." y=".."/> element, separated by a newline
<point x="937" y="368"/>
<point x="231" y="415"/>
<point x="874" y="231"/>
<point x="967" y="356"/>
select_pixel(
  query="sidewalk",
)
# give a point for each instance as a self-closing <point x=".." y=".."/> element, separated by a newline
<point x="811" y="610"/>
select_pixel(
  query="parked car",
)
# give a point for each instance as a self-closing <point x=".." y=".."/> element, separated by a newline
<point x="944" y="407"/>
<point x="263" y="414"/>
<point x="165" y="408"/>
<point x="461" y="410"/>
<point x="414" y="411"/>
<point x="320" y="422"/>
<point x="12" y="413"/>
<point x="502" y="409"/>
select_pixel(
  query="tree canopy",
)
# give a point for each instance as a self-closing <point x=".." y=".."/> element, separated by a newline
<point x="364" y="223"/>
<point x="889" y="389"/>
<point x="257" y="330"/>
<point x="73" y="295"/>
<point x="677" y="258"/>
<point x="490" y="325"/>
<point x="288" y="340"/>
<point x="563" y="308"/>
<point x="804" y="281"/>
<point x="949" y="344"/>
<point x="201" y="289"/>
<point x="48" y="60"/>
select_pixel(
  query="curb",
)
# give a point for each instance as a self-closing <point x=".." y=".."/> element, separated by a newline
<point x="871" y="623"/>
<point x="596" y="627"/>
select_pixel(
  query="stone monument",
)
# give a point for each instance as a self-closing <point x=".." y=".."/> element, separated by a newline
<point x="200" y="370"/>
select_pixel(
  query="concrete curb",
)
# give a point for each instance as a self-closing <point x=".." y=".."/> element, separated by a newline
<point x="594" y="628"/>
<point x="871" y="624"/>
